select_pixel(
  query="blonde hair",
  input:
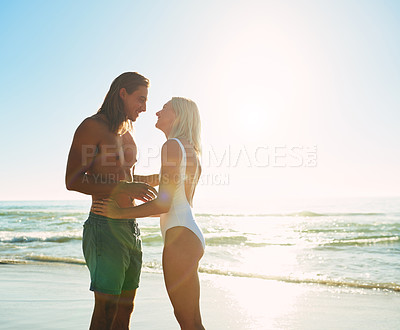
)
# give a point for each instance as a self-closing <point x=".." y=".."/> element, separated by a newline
<point x="113" y="106"/>
<point x="187" y="124"/>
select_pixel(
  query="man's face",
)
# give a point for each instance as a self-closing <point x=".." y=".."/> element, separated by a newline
<point x="135" y="103"/>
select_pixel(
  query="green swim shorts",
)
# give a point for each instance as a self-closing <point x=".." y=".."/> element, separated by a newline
<point x="113" y="253"/>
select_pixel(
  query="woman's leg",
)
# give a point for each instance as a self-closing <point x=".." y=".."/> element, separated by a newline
<point x="181" y="255"/>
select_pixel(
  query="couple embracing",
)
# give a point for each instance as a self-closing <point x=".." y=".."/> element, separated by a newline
<point x="101" y="163"/>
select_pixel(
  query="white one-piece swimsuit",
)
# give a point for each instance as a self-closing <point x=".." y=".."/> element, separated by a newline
<point x="180" y="214"/>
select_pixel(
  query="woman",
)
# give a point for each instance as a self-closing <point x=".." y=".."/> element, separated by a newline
<point x="183" y="240"/>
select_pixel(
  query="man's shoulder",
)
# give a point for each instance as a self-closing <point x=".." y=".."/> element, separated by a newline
<point x="93" y="123"/>
<point x="91" y="129"/>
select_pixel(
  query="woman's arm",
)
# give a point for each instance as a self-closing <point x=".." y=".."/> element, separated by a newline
<point x="152" y="180"/>
<point x="171" y="156"/>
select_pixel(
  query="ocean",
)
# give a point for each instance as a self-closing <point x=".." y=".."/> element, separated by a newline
<point x="344" y="242"/>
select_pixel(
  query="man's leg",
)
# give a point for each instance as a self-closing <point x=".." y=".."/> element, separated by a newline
<point x="112" y="269"/>
<point x="124" y="310"/>
<point x="132" y="278"/>
<point x="105" y="310"/>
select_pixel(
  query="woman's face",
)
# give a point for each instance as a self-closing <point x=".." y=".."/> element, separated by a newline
<point x="166" y="118"/>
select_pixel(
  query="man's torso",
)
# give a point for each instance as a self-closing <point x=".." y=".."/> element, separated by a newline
<point x="115" y="156"/>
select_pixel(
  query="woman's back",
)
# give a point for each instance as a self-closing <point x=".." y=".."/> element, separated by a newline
<point x="192" y="171"/>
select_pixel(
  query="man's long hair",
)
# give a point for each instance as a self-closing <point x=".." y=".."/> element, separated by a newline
<point x="113" y="106"/>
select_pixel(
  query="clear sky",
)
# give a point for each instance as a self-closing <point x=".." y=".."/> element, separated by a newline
<point x="297" y="98"/>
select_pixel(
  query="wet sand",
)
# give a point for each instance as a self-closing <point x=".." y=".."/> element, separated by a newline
<point x="56" y="296"/>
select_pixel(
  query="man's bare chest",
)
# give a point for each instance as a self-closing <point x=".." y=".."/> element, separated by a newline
<point x="116" y="151"/>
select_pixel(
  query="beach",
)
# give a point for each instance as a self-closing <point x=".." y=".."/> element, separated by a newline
<point x="56" y="296"/>
<point x="288" y="113"/>
<point x="323" y="265"/>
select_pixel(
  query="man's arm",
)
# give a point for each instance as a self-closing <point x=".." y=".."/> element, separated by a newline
<point x="80" y="160"/>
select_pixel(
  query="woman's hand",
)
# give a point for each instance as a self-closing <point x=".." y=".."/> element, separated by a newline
<point x="108" y="208"/>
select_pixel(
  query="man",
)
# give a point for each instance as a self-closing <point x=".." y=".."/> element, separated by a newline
<point x="101" y="163"/>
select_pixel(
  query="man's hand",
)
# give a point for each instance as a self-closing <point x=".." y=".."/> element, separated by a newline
<point x="138" y="190"/>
